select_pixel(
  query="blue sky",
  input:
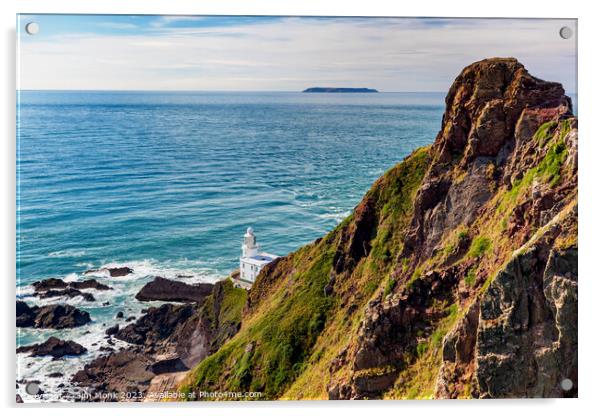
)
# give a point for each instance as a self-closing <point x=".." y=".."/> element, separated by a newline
<point x="279" y="53"/>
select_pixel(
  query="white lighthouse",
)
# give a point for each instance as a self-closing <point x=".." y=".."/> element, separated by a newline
<point x="252" y="260"/>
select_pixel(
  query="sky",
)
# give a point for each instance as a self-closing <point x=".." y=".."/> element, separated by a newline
<point x="237" y="53"/>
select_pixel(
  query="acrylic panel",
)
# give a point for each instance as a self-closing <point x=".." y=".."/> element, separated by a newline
<point x="280" y="207"/>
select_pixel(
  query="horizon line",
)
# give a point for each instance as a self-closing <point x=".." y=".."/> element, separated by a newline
<point x="192" y="90"/>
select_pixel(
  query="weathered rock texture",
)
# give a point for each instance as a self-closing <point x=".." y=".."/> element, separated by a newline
<point x="166" y="339"/>
<point x="52" y="288"/>
<point x="173" y="291"/>
<point x="54" y="347"/>
<point x="455" y="276"/>
<point x="50" y="316"/>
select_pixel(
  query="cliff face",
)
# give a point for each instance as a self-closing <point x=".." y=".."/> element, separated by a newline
<point x="456" y="275"/>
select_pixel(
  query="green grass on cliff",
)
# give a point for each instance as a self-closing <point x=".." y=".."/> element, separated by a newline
<point x="286" y="344"/>
<point x="394" y="195"/>
<point x="418" y="380"/>
<point x="229" y="309"/>
<point x="549" y="169"/>
<point x="271" y="349"/>
<point x="479" y="246"/>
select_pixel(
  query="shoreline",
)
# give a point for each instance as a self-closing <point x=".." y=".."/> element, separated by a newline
<point x="93" y="335"/>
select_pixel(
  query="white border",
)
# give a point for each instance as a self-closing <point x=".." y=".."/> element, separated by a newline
<point x="590" y="95"/>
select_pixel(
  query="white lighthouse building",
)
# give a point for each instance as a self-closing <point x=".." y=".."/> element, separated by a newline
<point x="252" y="260"/>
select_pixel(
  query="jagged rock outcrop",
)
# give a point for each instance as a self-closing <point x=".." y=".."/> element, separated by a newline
<point x="54" y="284"/>
<point x="54" y="347"/>
<point x="173" y="291"/>
<point x="489" y="147"/>
<point x="52" y="288"/>
<point x="50" y="316"/>
<point x="69" y="292"/>
<point x="211" y="325"/>
<point x="156" y="325"/>
<point x="455" y="276"/>
<point x="115" y="375"/>
<point x="166" y="339"/>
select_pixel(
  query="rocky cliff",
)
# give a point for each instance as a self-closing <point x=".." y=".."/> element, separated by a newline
<point x="455" y="276"/>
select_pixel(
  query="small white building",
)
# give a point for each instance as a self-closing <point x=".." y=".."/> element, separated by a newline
<point x="252" y="260"/>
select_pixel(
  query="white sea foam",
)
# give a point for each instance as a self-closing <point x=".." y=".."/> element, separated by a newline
<point x="67" y="253"/>
<point x="337" y="216"/>
<point x="123" y="290"/>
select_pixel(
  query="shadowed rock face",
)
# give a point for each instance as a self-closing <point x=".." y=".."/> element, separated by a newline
<point x="54" y="347"/>
<point x="173" y="291"/>
<point x="156" y="325"/>
<point x="50" y="316"/>
<point x="487" y="103"/>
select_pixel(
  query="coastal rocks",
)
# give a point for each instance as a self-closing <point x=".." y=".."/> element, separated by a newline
<point x="156" y="325"/>
<point x="113" y="271"/>
<point x="50" y="316"/>
<point x="215" y="322"/>
<point x="50" y="288"/>
<point x="69" y="292"/>
<point x="89" y="284"/>
<point x="48" y="284"/>
<point x="457" y="369"/>
<point x="170" y="365"/>
<point x="118" y="372"/>
<point x="112" y="330"/>
<point x="54" y="347"/>
<point x="173" y="291"/>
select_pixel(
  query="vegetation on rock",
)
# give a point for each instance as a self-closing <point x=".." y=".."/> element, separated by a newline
<point x="401" y="300"/>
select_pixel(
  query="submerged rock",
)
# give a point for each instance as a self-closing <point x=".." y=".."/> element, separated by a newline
<point x="173" y="291"/>
<point x="54" y="347"/>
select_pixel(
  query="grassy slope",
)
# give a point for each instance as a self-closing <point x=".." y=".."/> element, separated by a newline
<point x="285" y="344"/>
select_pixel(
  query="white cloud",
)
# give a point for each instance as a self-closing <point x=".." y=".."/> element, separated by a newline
<point x="167" y="20"/>
<point x="295" y="53"/>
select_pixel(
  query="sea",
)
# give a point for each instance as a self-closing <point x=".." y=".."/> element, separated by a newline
<point x="168" y="182"/>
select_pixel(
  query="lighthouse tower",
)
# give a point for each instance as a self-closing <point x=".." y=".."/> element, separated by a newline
<point x="249" y="245"/>
<point x="252" y="260"/>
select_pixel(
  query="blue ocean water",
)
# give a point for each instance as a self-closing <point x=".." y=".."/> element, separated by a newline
<point x="168" y="182"/>
<point x="178" y="177"/>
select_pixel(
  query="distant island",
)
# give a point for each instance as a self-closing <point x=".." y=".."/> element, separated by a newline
<point x="334" y="89"/>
